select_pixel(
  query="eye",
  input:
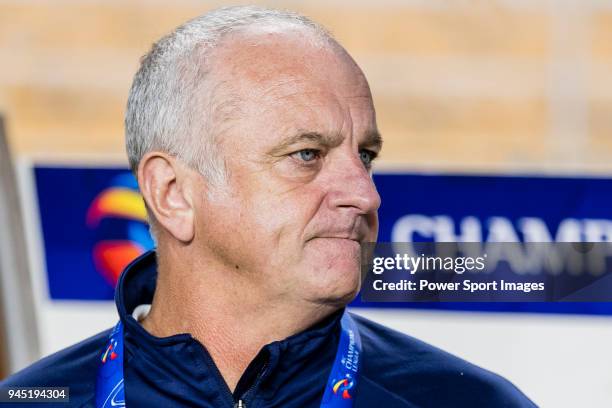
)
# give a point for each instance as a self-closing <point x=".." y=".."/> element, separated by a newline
<point x="367" y="156"/>
<point x="307" y="155"/>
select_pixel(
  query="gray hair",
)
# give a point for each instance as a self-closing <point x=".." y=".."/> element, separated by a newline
<point x="169" y="108"/>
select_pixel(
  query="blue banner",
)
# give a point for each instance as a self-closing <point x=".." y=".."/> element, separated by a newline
<point x="93" y="222"/>
<point x="475" y="208"/>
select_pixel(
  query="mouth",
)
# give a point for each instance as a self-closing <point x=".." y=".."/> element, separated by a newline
<point x="355" y="240"/>
<point x="356" y="231"/>
<point x="347" y="238"/>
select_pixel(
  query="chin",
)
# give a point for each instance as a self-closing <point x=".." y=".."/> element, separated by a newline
<point x="331" y="271"/>
<point x="339" y="299"/>
<point x="335" y="298"/>
<point x="337" y="285"/>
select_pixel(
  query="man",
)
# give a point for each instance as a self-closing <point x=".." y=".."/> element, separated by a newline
<point x="252" y="134"/>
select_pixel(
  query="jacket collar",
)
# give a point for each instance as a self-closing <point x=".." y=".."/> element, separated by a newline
<point x="277" y="362"/>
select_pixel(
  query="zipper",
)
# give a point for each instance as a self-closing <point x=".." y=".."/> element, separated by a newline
<point x="241" y="402"/>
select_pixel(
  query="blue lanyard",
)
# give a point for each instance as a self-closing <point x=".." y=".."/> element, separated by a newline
<point x="339" y="390"/>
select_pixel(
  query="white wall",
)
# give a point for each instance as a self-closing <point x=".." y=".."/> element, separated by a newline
<point x="557" y="360"/>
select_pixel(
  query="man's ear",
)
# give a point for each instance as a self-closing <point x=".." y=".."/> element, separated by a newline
<point x="166" y="187"/>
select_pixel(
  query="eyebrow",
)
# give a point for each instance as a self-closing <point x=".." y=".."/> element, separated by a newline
<point x="373" y="139"/>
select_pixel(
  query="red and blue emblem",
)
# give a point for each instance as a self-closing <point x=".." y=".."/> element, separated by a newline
<point x="342" y="386"/>
<point x="110" y="353"/>
<point x="120" y="201"/>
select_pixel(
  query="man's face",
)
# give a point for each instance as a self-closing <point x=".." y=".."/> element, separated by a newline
<point x="298" y="146"/>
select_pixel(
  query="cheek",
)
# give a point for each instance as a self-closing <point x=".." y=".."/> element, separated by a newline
<point x="257" y="233"/>
<point x="283" y="213"/>
<point x="266" y="218"/>
<point x="277" y="226"/>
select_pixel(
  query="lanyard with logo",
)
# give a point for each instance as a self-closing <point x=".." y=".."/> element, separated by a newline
<point x="339" y="389"/>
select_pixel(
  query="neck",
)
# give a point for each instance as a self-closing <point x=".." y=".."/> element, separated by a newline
<point x="229" y="316"/>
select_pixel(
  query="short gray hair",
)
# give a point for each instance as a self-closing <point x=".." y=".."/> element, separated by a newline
<point x="167" y="109"/>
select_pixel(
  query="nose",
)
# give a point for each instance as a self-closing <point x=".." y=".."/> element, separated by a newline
<point x="351" y="186"/>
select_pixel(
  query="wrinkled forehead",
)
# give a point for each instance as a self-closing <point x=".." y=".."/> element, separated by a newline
<point x="287" y="74"/>
<point x="259" y="55"/>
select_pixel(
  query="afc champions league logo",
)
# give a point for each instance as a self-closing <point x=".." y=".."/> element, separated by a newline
<point x="109" y="353"/>
<point x="110" y="390"/>
<point x="119" y="218"/>
<point x="342" y="386"/>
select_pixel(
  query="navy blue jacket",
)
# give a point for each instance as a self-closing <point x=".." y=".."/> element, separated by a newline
<point x="397" y="370"/>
